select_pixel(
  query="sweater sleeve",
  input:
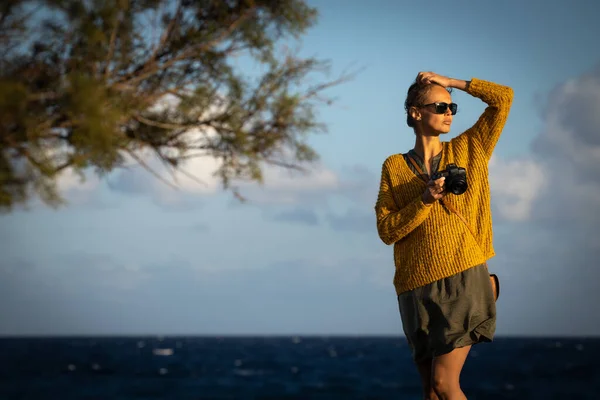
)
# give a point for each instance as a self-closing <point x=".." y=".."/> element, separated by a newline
<point x="490" y="124"/>
<point x="393" y="223"/>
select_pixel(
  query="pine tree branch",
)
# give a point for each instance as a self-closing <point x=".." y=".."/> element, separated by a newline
<point x="157" y="124"/>
<point x="43" y="96"/>
<point x="167" y="33"/>
<point x="189" y="52"/>
<point x="150" y="170"/>
<point x="111" y="47"/>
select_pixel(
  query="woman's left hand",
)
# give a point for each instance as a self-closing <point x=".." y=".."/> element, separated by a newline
<point x="426" y="78"/>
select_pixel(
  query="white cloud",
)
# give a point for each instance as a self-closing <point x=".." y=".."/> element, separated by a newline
<point x="515" y="185"/>
<point x="559" y="182"/>
<point x="317" y="179"/>
<point x="569" y="148"/>
<point x="75" y="188"/>
<point x="197" y="177"/>
<point x="555" y="253"/>
<point x="572" y="118"/>
<point x="285" y="187"/>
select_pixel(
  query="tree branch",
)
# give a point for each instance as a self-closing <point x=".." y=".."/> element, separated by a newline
<point x="167" y="33"/>
<point x="43" y="96"/>
<point x="157" y="124"/>
<point x="147" y="168"/>
<point x="319" y="88"/>
<point x="192" y="177"/>
<point x="111" y="48"/>
<point x="191" y="50"/>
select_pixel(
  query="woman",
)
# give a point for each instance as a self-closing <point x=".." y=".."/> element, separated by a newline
<point x="442" y="240"/>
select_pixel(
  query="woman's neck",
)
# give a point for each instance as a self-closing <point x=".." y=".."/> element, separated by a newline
<point x="427" y="146"/>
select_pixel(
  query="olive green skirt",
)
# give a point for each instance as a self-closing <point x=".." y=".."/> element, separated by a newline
<point x="452" y="312"/>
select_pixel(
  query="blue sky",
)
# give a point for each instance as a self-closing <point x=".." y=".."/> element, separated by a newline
<point x="131" y="256"/>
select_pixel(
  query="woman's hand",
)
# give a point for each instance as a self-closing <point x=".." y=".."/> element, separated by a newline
<point x="425" y="78"/>
<point x="434" y="191"/>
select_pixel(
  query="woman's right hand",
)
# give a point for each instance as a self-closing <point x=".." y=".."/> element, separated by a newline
<point x="434" y="191"/>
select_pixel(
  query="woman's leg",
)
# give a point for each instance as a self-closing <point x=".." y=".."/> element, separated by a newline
<point x="425" y="371"/>
<point x="446" y="371"/>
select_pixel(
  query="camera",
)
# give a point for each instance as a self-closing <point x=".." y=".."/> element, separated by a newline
<point x="456" y="179"/>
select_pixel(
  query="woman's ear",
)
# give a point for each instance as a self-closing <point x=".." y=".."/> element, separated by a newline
<point x="415" y="114"/>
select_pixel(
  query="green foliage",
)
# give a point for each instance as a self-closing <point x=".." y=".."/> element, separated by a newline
<point x="87" y="84"/>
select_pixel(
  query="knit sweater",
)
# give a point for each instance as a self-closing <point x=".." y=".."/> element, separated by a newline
<point x="431" y="242"/>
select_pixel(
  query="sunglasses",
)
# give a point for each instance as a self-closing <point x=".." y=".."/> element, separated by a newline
<point x="441" y="108"/>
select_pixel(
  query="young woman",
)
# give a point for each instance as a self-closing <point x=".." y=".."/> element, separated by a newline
<point x="442" y="238"/>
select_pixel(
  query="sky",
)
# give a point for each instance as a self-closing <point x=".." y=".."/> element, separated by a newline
<point x="131" y="256"/>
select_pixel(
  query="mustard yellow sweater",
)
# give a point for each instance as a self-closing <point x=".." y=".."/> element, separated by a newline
<point x="430" y="242"/>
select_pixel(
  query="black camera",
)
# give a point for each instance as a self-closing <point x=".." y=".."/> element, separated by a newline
<point x="456" y="179"/>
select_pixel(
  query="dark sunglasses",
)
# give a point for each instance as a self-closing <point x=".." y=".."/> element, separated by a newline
<point x="440" y="108"/>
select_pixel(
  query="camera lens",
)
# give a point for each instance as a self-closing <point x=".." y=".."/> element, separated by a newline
<point x="459" y="186"/>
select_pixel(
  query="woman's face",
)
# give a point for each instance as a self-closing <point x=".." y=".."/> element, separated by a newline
<point x="430" y="122"/>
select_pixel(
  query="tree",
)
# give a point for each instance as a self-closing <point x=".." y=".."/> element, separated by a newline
<point x="91" y="84"/>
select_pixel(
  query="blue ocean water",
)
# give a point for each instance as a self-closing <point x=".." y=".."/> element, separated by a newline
<point x="284" y="368"/>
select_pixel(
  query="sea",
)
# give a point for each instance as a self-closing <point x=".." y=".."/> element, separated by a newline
<point x="285" y="368"/>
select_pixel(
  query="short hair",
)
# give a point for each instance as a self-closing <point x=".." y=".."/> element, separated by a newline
<point x="415" y="96"/>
